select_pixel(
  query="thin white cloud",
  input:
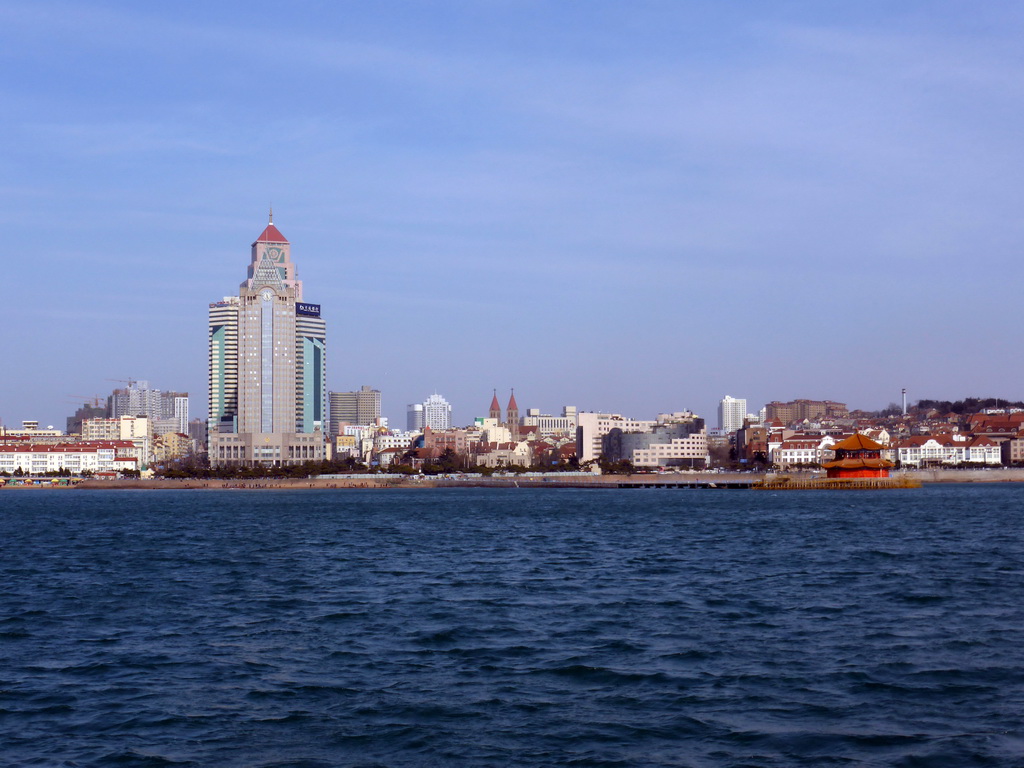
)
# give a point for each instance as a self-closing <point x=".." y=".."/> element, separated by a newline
<point x="677" y="181"/>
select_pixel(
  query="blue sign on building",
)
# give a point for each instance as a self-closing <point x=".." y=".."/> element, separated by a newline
<point x="313" y="310"/>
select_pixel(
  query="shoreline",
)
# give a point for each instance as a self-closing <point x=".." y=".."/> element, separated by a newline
<point x="706" y="480"/>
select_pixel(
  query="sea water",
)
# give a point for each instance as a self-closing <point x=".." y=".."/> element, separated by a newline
<point x="477" y="627"/>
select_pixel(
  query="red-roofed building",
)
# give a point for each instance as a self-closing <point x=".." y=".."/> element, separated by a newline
<point x="75" y="458"/>
<point x="998" y="430"/>
<point x="858" y="456"/>
<point x="979" y="420"/>
<point x="947" y="450"/>
<point x="504" y="454"/>
<point x="801" y="450"/>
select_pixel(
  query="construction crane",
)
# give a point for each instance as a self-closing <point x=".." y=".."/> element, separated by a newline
<point x="129" y="381"/>
<point x="95" y="401"/>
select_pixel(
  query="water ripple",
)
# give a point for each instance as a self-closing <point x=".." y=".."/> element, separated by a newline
<point x="512" y="628"/>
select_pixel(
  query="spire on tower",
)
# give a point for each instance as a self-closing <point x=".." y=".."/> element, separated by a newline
<point x="512" y="416"/>
<point x="271" y="217"/>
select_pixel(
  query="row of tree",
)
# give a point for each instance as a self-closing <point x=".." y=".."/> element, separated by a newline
<point x="449" y="462"/>
<point x="65" y="472"/>
<point x="19" y="472"/>
<point x="198" y="466"/>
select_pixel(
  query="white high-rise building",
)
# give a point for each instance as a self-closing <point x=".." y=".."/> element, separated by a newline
<point x="731" y="413"/>
<point x="437" y="413"/>
<point x="181" y="412"/>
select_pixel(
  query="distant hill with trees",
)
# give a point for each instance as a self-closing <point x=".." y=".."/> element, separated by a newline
<point x="967" y="405"/>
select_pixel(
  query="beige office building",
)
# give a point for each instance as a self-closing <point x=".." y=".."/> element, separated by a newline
<point x="267" y="365"/>
<point x="360" y="408"/>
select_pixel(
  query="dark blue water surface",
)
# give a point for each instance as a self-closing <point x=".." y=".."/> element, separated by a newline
<point x="512" y="628"/>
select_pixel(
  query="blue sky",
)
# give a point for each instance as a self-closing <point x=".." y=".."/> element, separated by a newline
<point x="635" y="207"/>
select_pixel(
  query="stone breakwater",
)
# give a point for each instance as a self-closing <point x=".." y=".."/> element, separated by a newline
<point x="709" y="479"/>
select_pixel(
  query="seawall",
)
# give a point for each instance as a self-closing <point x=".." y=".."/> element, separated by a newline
<point x="717" y="480"/>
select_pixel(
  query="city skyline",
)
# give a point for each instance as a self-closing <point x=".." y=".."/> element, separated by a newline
<point x="629" y="210"/>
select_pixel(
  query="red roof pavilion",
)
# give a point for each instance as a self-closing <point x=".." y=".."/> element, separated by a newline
<point x="858" y="456"/>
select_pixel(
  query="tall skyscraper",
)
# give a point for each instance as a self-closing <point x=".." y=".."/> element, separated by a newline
<point x="360" y="408"/>
<point x="180" y="410"/>
<point x="223" y="366"/>
<point x="268" y="393"/>
<point x="437" y="413"/>
<point x="731" y="413"/>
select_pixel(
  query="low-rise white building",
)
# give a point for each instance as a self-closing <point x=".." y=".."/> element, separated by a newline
<point x="492" y="431"/>
<point x="552" y="425"/>
<point x="374" y="445"/>
<point x="674" y="440"/>
<point x="31" y="433"/>
<point x="592" y="427"/>
<point x="113" y="456"/>
<point x="137" y="429"/>
<point x="949" y="449"/>
<point x="802" y="450"/>
<point x="690" y="451"/>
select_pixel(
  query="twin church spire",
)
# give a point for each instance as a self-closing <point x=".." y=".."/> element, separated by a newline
<point x="511" y="413"/>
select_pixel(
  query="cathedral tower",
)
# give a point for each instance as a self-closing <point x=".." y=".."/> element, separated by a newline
<point x="512" y="416"/>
